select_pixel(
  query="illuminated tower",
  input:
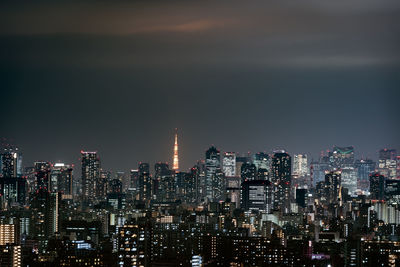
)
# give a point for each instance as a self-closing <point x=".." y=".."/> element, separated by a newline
<point x="175" y="165"/>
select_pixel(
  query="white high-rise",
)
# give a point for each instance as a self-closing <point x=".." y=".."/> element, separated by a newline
<point x="300" y="167"/>
<point x="229" y="164"/>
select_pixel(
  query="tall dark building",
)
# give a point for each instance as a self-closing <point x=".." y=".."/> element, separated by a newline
<point x="45" y="206"/>
<point x="90" y="175"/>
<point x="257" y="195"/>
<point x="145" y="193"/>
<point x="332" y="186"/>
<point x="213" y="180"/>
<point x="61" y="179"/>
<point x="164" y="181"/>
<point x="301" y="197"/>
<point x="281" y="170"/>
<point x="12" y="190"/>
<point x="248" y="172"/>
<point x="134" y="180"/>
<point x="377" y="186"/>
<point x="11" y="162"/>
<point x="42" y="172"/>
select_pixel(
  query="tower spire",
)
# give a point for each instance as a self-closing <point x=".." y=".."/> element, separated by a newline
<point x="176" y="157"/>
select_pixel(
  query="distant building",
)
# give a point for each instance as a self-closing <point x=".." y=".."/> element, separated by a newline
<point x="61" y="179"/>
<point x="213" y="173"/>
<point x="262" y="161"/>
<point x="377" y="186"/>
<point x="281" y="171"/>
<point x="300" y="165"/>
<point x="248" y="172"/>
<point x="349" y="179"/>
<point x="342" y="156"/>
<point x="42" y="173"/>
<point x="11" y="162"/>
<point x="257" y="195"/>
<point x="387" y="163"/>
<point x="332" y="186"/>
<point x="229" y="164"/>
<point x="90" y="175"/>
<point x="145" y="193"/>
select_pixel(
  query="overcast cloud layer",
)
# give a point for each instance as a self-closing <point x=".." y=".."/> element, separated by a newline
<point x="119" y="76"/>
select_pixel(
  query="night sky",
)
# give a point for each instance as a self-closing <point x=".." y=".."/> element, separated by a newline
<point x="117" y="77"/>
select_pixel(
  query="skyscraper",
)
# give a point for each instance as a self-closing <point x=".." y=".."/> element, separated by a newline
<point x="377" y="186"/>
<point x="144" y="182"/>
<point x="61" y="179"/>
<point x="257" y="195"/>
<point x="349" y="179"/>
<point x="281" y="170"/>
<point x="175" y="165"/>
<point x="332" y="186"/>
<point x="342" y="156"/>
<point x="300" y="167"/>
<point x="11" y="162"/>
<point x="387" y="164"/>
<point x="262" y="161"/>
<point x="90" y="174"/>
<point x="166" y="182"/>
<point x="229" y="164"/>
<point x="248" y="172"/>
<point x="42" y="172"/>
<point x="213" y="167"/>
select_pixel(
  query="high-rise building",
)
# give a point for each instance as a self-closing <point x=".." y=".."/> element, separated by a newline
<point x="262" y="161"/>
<point x="165" y="178"/>
<point x="248" y="172"/>
<point x="103" y="184"/>
<point x="398" y="167"/>
<point x="11" y="162"/>
<point x="42" y="172"/>
<point x="387" y="154"/>
<point x="364" y="168"/>
<point x="145" y="193"/>
<point x="199" y="171"/>
<point x="61" y="179"/>
<point x="239" y="162"/>
<point x="233" y="188"/>
<point x="301" y="197"/>
<point x="90" y="175"/>
<point x="318" y="169"/>
<point x="332" y="186"/>
<point x="281" y="171"/>
<point x="134" y="244"/>
<point x="377" y="186"/>
<point x="8" y="234"/>
<point x="349" y="179"/>
<point x="257" y="195"/>
<point x="175" y="165"/>
<point x="342" y="156"/>
<point x="213" y="168"/>
<point x="45" y="207"/>
<point x="387" y="163"/>
<point x="12" y="191"/>
<point x="392" y="189"/>
<point x="229" y="164"/>
<point x="300" y="166"/>
<point x="134" y="181"/>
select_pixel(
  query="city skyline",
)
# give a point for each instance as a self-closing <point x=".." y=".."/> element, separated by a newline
<point x="199" y="133"/>
<point x="28" y="160"/>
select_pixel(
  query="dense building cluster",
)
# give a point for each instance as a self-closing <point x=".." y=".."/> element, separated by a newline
<point x="265" y="209"/>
